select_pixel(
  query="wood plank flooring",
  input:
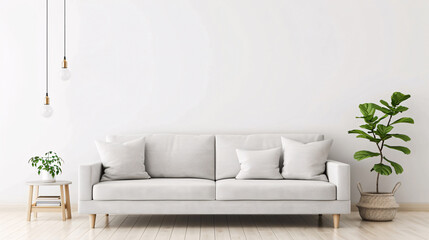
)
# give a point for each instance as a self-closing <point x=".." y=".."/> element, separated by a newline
<point x="13" y="225"/>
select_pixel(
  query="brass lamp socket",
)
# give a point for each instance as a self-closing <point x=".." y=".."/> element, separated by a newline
<point x="64" y="63"/>
<point x="47" y="100"/>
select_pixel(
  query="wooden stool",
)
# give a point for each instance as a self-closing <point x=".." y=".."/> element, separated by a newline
<point x="64" y="199"/>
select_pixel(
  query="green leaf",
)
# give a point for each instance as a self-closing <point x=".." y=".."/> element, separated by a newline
<point x="398" y="97"/>
<point x="401" y="136"/>
<point x="367" y="126"/>
<point x="401" y="109"/>
<point x="360" y="155"/>
<point x="363" y="134"/>
<point x="367" y="109"/>
<point x="385" y="104"/>
<point x="382" y="109"/>
<point x="370" y="119"/>
<point x="358" y="132"/>
<point x="382" y="130"/>
<point x="398" y="168"/>
<point x="382" y="169"/>
<point x="379" y="120"/>
<point x="404" y="120"/>
<point x="399" y="148"/>
<point x="376" y="140"/>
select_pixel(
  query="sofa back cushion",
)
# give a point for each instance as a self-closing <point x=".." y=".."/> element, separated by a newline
<point x="176" y="156"/>
<point x="227" y="164"/>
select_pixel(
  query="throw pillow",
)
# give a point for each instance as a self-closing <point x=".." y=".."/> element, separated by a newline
<point x="305" y="160"/>
<point x="259" y="164"/>
<point x="123" y="160"/>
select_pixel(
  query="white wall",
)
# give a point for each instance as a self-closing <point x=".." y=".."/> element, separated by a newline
<point x="210" y="66"/>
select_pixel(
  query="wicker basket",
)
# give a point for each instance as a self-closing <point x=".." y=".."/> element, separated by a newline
<point x="378" y="207"/>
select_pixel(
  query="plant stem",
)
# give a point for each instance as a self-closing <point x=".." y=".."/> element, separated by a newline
<point x="380" y="149"/>
<point x="378" y="174"/>
<point x="381" y="154"/>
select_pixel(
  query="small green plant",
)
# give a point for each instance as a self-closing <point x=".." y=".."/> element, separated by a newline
<point x="378" y="133"/>
<point x="50" y="163"/>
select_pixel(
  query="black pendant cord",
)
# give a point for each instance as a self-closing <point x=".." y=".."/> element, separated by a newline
<point x="47" y="51"/>
<point x="65" y="29"/>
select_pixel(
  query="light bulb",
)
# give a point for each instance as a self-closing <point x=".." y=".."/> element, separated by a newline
<point x="47" y="110"/>
<point x="65" y="74"/>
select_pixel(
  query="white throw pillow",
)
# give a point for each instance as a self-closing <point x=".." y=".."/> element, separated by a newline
<point x="123" y="160"/>
<point x="259" y="164"/>
<point x="305" y="160"/>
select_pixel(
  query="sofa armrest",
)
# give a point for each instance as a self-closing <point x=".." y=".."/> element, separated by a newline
<point x="88" y="176"/>
<point x="339" y="174"/>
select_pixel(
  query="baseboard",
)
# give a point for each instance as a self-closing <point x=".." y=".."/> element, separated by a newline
<point x="421" y="207"/>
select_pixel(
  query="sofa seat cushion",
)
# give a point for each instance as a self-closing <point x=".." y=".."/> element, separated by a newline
<point x="155" y="189"/>
<point x="232" y="189"/>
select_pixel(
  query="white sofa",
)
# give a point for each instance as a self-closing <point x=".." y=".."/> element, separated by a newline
<point x="195" y="174"/>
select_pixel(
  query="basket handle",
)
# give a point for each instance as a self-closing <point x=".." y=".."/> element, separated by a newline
<point x="359" y="187"/>
<point x="396" y="187"/>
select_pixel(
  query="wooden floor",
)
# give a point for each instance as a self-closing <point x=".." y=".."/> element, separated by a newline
<point x="13" y="225"/>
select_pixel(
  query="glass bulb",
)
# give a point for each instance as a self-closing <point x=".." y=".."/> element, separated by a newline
<point x="65" y="74"/>
<point x="47" y="110"/>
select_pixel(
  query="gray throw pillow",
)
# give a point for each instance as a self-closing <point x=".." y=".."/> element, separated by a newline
<point x="123" y="160"/>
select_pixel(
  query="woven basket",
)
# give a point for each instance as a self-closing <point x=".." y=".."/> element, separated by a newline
<point x="378" y="207"/>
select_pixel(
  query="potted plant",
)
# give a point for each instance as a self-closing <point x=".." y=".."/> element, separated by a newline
<point x="49" y="165"/>
<point x="381" y="206"/>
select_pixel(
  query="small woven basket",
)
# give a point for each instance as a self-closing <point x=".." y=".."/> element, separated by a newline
<point x="378" y="207"/>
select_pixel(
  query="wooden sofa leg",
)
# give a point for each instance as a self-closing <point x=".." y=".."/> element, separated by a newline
<point x="336" y="220"/>
<point x="92" y="220"/>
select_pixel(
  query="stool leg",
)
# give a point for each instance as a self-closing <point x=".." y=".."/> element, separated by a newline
<point x="63" y="209"/>
<point x="68" y="204"/>
<point x="30" y="202"/>
<point x="36" y="196"/>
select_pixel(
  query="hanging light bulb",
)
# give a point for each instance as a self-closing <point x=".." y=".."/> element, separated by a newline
<point x="65" y="71"/>
<point x="47" y="109"/>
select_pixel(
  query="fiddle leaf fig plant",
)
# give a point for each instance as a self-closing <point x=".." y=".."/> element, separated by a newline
<point x="378" y="127"/>
<point x="50" y="163"/>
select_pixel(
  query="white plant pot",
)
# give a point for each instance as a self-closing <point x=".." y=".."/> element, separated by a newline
<point x="47" y="177"/>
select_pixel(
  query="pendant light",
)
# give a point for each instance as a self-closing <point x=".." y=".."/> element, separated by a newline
<point x="65" y="72"/>
<point x="47" y="110"/>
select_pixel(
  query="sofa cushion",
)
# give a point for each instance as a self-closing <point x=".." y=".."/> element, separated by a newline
<point x="232" y="189"/>
<point x="155" y="189"/>
<point x="122" y="160"/>
<point x="305" y="160"/>
<point x="259" y="164"/>
<point x="227" y="165"/>
<point x="176" y="156"/>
